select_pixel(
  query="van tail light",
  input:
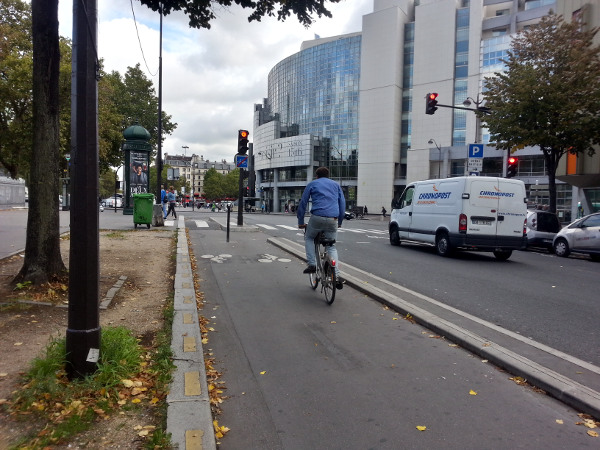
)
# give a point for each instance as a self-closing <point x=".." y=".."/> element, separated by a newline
<point x="462" y="223"/>
<point x="525" y="228"/>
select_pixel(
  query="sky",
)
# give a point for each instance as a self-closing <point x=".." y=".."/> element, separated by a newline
<point x="211" y="79"/>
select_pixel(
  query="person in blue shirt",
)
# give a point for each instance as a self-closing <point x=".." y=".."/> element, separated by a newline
<point x="163" y="202"/>
<point x="171" y="198"/>
<point x="327" y="214"/>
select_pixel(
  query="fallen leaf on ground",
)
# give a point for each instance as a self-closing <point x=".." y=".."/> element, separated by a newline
<point x="472" y="392"/>
<point x="421" y="427"/>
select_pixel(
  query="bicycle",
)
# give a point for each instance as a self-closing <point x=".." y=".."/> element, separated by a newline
<point x="325" y="268"/>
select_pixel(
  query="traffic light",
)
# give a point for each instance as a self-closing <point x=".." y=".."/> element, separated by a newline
<point x="511" y="166"/>
<point x="242" y="147"/>
<point x="430" y="103"/>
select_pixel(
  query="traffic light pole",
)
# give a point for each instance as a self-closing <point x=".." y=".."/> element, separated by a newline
<point x="240" y="214"/>
<point x="482" y="109"/>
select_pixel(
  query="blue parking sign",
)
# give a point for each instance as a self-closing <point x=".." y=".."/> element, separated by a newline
<point x="475" y="150"/>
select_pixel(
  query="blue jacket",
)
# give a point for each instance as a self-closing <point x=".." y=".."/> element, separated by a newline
<point x="327" y="200"/>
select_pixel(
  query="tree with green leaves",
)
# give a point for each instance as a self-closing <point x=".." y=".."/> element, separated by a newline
<point x="213" y="184"/>
<point x="548" y="95"/>
<point x="201" y="12"/>
<point x="16" y="102"/>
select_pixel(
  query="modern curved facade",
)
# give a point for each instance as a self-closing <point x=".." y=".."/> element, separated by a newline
<point x="310" y="118"/>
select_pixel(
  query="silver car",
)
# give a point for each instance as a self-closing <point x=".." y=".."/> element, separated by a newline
<point x="581" y="236"/>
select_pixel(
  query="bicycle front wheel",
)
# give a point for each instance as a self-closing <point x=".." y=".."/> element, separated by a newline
<point x="328" y="284"/>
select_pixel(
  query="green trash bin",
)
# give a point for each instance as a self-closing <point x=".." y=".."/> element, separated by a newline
<point x="143" y="207"/>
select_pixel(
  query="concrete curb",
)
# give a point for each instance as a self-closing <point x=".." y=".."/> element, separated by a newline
<point x="189" y="418"/>
<point x="557" y="385"/>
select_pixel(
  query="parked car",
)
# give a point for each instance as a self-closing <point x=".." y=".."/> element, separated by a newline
<point x="348" y="215"/>
<point x="581" y="236"/>
<point x="541" y="228"/>
<point x="110" y="202"/>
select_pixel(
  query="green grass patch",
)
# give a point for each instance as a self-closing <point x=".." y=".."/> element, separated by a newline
<point x="66" y="407"/>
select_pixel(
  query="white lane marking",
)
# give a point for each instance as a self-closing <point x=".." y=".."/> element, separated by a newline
<point x="169" y="223"/>
<point x="266" y="227"/>
<point x="201" y="223"/>
<point x="287" y="227"/>
<point x="219" y="259"/>
<point x="266" y="258"/>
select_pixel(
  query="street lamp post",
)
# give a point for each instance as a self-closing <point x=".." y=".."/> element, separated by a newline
<point x="477" y="103"/>
<point x="432" y="141"/>
<point x="185" y="148"/>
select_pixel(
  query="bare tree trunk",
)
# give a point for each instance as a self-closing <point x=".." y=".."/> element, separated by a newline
<point x="43" y="260"/>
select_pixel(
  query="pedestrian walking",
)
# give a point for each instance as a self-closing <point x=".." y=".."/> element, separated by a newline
<point x="171" y="198"/>
<point x="383" y="212"/>
<point x="163" y="200"/>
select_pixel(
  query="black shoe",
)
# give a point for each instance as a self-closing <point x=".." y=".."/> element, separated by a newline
<point x="339" y="284"/>
<point x="310" y="269"/>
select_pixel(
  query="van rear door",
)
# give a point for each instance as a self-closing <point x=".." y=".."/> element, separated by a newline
<point x="497" y="211"/>
<point x="512" y="208"/>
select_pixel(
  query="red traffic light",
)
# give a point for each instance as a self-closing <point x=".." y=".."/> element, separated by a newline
<point x="512" y="166"/>
<point x="430" y="103"/>
<point x="242" y="146"/>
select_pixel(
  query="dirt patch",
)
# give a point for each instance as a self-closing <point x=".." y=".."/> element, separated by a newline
<point x="30" y="319"/>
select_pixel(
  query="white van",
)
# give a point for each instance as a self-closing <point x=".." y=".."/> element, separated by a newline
<point x="470" y="213"/>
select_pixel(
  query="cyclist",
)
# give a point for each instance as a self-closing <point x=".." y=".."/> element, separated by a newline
<point x="327" y="214"/>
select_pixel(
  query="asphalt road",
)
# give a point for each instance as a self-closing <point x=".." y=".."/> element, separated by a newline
<point x="538" y="295"/>
<point x="300" y="374"/>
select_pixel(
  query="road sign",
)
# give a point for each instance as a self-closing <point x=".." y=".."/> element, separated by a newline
<point x="241" y="161"/>
<point x="475" y="164"/>
<point x="475" y="150"/>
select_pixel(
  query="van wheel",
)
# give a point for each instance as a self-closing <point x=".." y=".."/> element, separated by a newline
<point x="442" y="244"/>
<point x="502" y="255"/>
<point x="394" y="236"/>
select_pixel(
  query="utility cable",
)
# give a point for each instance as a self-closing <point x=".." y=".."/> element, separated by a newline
<point x="140" y="41"/>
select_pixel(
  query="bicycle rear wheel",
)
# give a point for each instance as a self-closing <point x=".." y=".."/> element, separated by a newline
<point x="314" y="277"/>
<point x="328" y="283"/>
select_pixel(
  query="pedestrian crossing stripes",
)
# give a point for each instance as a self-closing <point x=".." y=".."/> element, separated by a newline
<point x="201" y="223"/>
<point x="340" y="230"/>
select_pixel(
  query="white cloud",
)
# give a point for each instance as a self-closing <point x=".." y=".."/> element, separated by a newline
<point x="211" y="78"/>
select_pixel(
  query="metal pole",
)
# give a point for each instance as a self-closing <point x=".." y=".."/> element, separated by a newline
<point x="240" y="214"/>
<point x="228" y="216"/>
<point x="83" y="332"/>
<point x="159" y="152"/>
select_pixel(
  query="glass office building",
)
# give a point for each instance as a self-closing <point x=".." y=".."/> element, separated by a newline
<point x="312" y="109"/>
